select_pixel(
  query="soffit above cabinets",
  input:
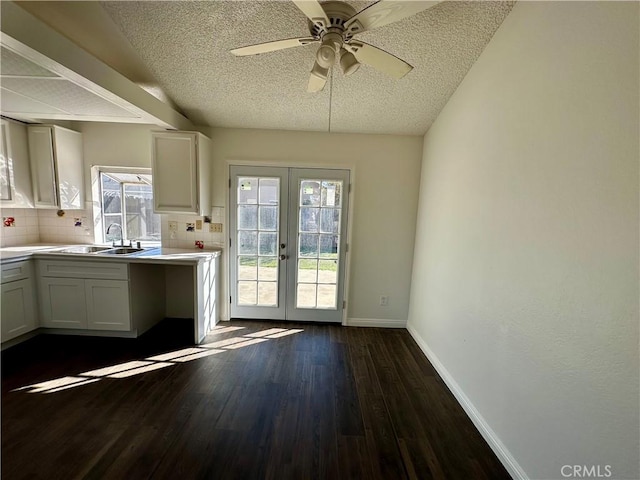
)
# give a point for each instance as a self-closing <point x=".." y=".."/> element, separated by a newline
<point x="32" y="93"/>
<point x="46" y="77"/>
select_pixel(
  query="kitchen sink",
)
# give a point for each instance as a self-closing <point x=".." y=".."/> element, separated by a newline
<point x="122" y="250"/>
<point x="85" y="249"/>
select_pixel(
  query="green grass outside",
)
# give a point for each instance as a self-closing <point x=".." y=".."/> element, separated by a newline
<point x="327" y="262"/>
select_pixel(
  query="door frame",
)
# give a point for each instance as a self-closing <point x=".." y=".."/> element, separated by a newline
<point x="226" y="260"/>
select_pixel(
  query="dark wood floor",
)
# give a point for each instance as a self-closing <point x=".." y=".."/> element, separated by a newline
<point x="328" y="402"/>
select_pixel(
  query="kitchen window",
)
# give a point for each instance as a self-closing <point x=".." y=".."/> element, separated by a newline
<point x="127" y="206"/>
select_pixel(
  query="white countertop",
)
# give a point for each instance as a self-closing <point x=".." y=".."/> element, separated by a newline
<point x="148" y="255"/>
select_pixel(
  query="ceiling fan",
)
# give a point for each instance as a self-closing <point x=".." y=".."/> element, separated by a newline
<point x="334" y="24"/>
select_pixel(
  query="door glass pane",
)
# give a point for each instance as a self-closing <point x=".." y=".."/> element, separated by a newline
<point x="268" y="243"/>
<point x="247" y="243"/>
<point x="327" y="296"/>
<point x="307" y="270"/>
<point x="317" y="267"/>
<point x="247" y="268"/>
<point x="310" y="193"/>
<point x="247" y="293"/>
<point x="330" y="220"/>
<point x="268" y="218"/>
<point x="329" y="246"/>
<point x="327" y="271"/>
<point x="257" y="239"/>
<point x="247" y="191"/>
<point x="309" y="218"/>
<point x="269" y="191"/>
<point x="331" y="194"/>
<point x="306" y="295"/>
<point x="268" y="294"/>
<point x="267" y="268"/>
<point x="247" y="217"/>
<point x="308" y="245"/>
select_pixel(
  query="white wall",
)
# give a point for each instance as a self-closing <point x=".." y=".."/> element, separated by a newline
<point x="525" y="278"/>
<point x="385" y="191"/>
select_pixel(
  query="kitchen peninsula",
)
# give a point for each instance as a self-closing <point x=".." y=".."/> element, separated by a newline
<point x="70" y="290"/>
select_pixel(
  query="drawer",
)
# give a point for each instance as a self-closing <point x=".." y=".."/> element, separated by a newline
<point x="15" y="271"/>
<point x="80" y="269"/>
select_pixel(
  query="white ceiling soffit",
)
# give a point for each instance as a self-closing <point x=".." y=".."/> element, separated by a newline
<point x="44" y="76"/>
<point x="186" y="47"/>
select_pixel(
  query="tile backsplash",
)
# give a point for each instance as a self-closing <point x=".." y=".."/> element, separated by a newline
<point x="44" y="226"/>
<point x="182" y="231"/>
<point x="73" y="227"/>
<point x="22" y="230"/>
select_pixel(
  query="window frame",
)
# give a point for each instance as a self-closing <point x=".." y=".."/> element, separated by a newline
<point x="98" y="211"/>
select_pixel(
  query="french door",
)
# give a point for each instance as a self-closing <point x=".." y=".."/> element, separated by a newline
<point x="288" y="236"/>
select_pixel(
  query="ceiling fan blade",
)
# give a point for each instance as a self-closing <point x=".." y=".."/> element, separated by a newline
<point x="318" y="78"/>
<point x="385" y="12"/>
<point x="272" y="46"/>
<point x="314" y="12"/>
<point x="378" y="59"/>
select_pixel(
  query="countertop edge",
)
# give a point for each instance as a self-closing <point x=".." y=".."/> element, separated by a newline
<point x="166" y="256"/>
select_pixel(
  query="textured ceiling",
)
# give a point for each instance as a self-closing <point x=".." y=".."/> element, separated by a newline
<point x="186" y="47"/>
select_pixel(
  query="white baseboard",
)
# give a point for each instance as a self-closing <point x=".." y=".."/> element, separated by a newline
<point x="375" y="322"/>
<point x="483" y="427"/>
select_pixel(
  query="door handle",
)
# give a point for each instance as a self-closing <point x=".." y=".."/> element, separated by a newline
<point x="282" y="245"/>
<point x="283" y="257"/>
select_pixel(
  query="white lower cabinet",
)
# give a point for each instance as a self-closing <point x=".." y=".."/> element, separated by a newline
<point x="62" y="303"/>
<point x="18" y="312"/>
<point x="90" y="295"/>
<point x="107" y="304"/>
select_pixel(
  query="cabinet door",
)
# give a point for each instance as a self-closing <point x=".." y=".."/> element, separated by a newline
<point x="18" y="314"/>
<point x="42" y="166"/>
<point x="15" y="174"/>
<point x="6" y="180"/>
<point x="107" y="304"/>
<point x="175" y="172"/>
<point x="62" y="302"/>
<point x="69" y="169"/>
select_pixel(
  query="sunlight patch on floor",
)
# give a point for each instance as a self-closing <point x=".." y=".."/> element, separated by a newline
<point x="224" y="343"/>
<point x="194" y="356"/>
<point x="104" y="372"/>
<point x="163" y="360"/>
<point x="137" y="371"/>
<point x="264" y="333"/>
<point x="220" y="330"/>
<point x="247" y="343"/>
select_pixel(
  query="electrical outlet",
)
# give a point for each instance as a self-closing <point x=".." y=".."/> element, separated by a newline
<point x="384" y="300"/>
<point x="215" y="227"/>
<point x="173" y="226"/>
<point x="198" y="224"/>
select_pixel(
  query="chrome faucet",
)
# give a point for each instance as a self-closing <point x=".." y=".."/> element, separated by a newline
<point x="120" y="227"/>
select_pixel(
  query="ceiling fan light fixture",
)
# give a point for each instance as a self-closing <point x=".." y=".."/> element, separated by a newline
<point x="326" y="54"/>
<point x="319" y="71"/>
<point x="348" y="62"/>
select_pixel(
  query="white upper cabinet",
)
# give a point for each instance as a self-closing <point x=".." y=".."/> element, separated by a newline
<point x="15" y="174"/>
<point x="56" y="167"/>
<point x="181" y="169"/>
